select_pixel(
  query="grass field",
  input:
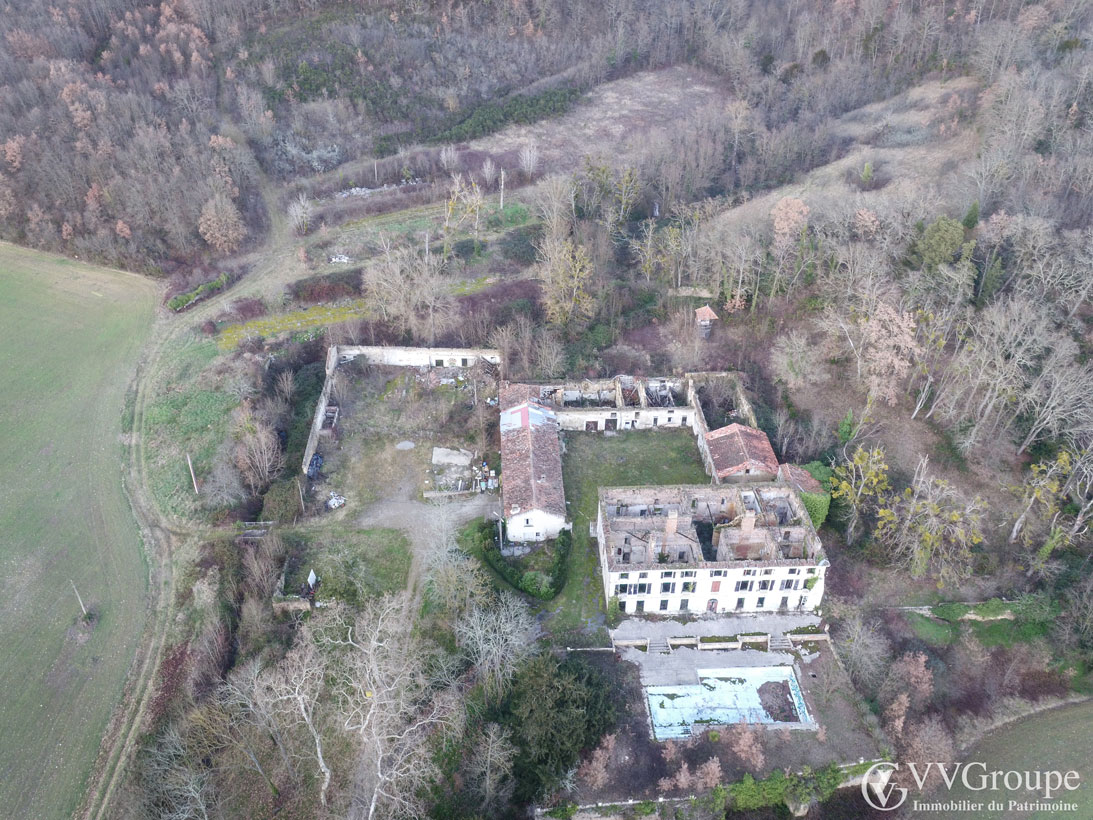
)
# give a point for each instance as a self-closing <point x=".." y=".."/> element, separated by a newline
<point x="591" y="461"/>
<point x="70" y="335"/>
<point x="1058" y="740"/>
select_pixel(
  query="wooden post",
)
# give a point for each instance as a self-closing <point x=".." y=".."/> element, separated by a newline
<point x="502" y="207"/>
<point x="78" y="598"/>
<point x="376" y="170"/>
<point x="193" y="478"/>
<point x="301" y="489"/>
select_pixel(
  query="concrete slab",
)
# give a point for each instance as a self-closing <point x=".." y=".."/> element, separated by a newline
<point x="663" y="629"/>
<point x="680" y="666"/>
<point x="452" y="458"/>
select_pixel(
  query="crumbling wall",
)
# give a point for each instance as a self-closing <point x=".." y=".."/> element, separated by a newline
<point x="418" y="356"/>
<point x="391" y="357"/>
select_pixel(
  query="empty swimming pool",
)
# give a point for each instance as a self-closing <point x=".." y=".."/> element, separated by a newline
<point x="721" y="696"/>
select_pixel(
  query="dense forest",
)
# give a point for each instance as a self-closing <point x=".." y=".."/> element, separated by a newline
<point x="141" y="134"/>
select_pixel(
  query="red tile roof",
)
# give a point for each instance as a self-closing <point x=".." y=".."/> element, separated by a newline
<point x="705" y="314"/>
<point x="531" y="454"/>
<point x="737" y="449"/>
<point x="800" y="478"/>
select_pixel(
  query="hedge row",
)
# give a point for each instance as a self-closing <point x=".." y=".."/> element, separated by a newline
<point x="184" y="300"/>
<point x="537" y="584"/>
<point x="519" y="109"/>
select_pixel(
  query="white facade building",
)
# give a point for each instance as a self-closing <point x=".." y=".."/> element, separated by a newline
<point x="721" y="548"/>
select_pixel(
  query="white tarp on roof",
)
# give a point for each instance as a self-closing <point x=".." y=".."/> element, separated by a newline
<point x="526" y="414"/>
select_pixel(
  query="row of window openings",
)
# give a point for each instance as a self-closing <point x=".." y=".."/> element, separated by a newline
<point x="685" y="605"/>
<point x="716" y="573"/>
<point x="669" y="587"/>
<point x="748" y="586"/>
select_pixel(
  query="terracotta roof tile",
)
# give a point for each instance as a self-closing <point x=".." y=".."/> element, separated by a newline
<point x="705" y="314"/>
<point x="800" y="478"/>
<point x="737" y="448"/>
<point x="531" y="454"/>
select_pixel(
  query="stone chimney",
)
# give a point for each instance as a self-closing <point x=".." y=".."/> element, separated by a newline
<point x="673" y="522"/>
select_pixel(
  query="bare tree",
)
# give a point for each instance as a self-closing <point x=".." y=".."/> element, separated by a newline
<point x="567" y="271"/>
<point x="556" y="207"/>
<point x="529" y="159"/>
<point x="930" y="528"/>
<point x="300" y="214"/>
<point x="294" y="691"/>
<point x="797" y="361"/>
<point x="387" y="701"/>
<point x="497" y="638"/>
<point x="455" y="579"/>
<point x="1057" y="403"/>
<point x="224" y="484"/>
<point x="449" y="160"/>
<point x="176" y="785"/>
<point x="257" y="452"/>
<point x="489" y="173"/>
<point x="863" y="649"/>
<point x="490" y="767"/>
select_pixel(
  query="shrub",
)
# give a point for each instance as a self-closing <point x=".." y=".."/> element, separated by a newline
<point x="950" y="612"/>
<point x="183" y="300"/>
<point x="281" y="502"/>
<point x="519" y="109"/>
<point x="327" y="287"/>
<point x="971" y="218"/>
<point x="818" y="505"/>
<point x="821" y="472"/>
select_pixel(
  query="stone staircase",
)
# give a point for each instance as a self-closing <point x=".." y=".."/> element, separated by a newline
<point x="659" y="645"/>
<point x="780" y="643"/>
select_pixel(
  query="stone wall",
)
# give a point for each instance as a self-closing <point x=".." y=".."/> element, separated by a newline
<point x="391" y="357"/>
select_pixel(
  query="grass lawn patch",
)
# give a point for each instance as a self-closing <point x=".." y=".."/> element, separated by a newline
<point x="1006" y="633"/>
<point x="191" y="413"/>
<point x="70" y="334"/>
<point x="353" y="564"/>
<point x="591" y="461"/>
<point x="933" y="632"/>
<point x="294" y="321"/>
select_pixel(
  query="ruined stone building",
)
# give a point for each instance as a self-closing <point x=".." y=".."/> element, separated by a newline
<point x="717" y="548"/>
<point x="741" y="453"/>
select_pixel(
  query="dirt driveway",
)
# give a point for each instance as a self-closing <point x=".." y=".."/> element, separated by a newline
<point x="425" y="522"/>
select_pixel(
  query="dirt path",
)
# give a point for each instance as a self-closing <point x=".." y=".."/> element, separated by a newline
<point x="422" y="521"/>
<point x="272" y="266"/>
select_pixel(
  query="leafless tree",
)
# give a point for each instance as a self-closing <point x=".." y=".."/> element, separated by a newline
<point x="257" y="452"/>
<point x="556" y="206"/>
<point x="176" y="785"/>
<point x="454" y="579"/>
<point x="497" y="638"/>
<point x="490" y="767"/>
<point x="294" y="691"/>
<point x="488" y="173"/>
<point x="224" y="484"/>
<point x="300" y="214"/>
<point x="449" y="159"/>
<point x="863" y="649"/>
<point x="1057" y="402"/>
<point x="388" y="703"/>
<point x="797" y="361"/>
<point x="931" y="528"/>
<point x="529" y="159"/>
